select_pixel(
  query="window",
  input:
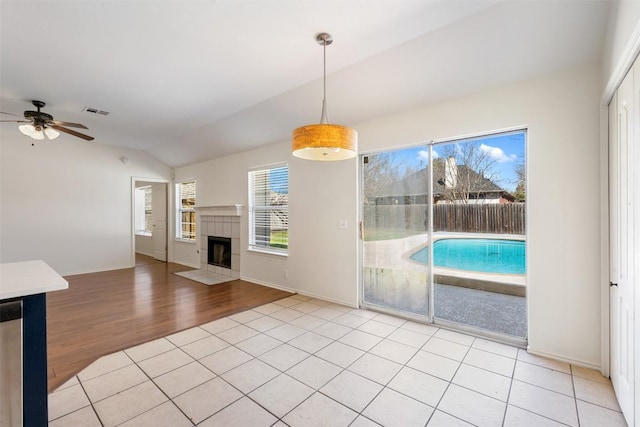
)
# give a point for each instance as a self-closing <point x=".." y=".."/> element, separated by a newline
<point x="143" y="211"/>
<point x="269" y="209"/>
<point x="186" y="216"/>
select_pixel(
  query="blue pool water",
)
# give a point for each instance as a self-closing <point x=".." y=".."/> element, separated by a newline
<point x="483" y="255"/>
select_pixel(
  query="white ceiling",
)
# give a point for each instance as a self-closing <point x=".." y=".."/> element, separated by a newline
<point x="188" y="81"/>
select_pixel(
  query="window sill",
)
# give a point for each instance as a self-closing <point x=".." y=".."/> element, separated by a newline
<point x="192" y="241"/>
<point x="268" y="252"/>
<point x="143" y="233"/>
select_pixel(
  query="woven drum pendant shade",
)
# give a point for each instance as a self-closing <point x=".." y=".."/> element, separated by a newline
<point x="324" y="142"/>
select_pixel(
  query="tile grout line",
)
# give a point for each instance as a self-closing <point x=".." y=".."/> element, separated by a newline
<point x="155" y="385"/>
<point x="280" y="372"/>
<point x="343" y="369"/>
<point x="257" y="357"/>
<point x="384" y="386"/>
<point x="575" y="396"/>
<point x="160" y="388"/>
<point x="403" y="365"/>
<point x="435" y="408"/>
<point x="91" y="403"/>
<point x="533" y="385"/>
<point x="513" y="374"/>
<point x="351" y="329"/>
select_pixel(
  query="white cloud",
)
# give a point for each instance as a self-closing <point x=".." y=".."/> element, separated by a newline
<point x="497" y="154"/>
<point x="423" y="155"/>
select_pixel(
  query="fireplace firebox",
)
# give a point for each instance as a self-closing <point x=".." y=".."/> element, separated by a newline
<point x="219" y="251"/>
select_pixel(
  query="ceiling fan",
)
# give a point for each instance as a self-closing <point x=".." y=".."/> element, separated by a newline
<point x="38" y="124"/>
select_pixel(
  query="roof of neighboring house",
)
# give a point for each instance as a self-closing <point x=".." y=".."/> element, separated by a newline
<point x="417" y="182"/>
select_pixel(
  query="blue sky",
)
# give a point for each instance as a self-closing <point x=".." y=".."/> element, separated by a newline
<point x="279" y="180"/>
<point x="506" y="149"/>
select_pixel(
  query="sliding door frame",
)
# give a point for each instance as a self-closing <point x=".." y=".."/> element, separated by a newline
<point x="430" y="316"/>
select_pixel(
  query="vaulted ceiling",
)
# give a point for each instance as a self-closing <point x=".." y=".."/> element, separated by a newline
<point x="188" y="81"/>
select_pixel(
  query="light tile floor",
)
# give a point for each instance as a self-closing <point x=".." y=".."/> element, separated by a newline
<point x="307" y="362"/>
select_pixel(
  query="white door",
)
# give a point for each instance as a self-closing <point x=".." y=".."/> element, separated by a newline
<point x="621" y="133"/>
<point x="159" y="214"/>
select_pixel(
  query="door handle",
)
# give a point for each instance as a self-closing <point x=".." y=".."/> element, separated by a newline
<point x="611" y="284"/>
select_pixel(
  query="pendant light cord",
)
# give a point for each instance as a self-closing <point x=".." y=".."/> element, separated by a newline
<point x="324" y="119"/>
<point x="324" y="70"/>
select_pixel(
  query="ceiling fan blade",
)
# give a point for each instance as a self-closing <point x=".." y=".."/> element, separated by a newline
<point x="11" y="114"/>
<point x="16" y="121"/>
<point x="73" y="132"/>
<point x="69" y="124"/>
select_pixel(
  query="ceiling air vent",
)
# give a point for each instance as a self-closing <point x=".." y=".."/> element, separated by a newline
<point x="95" y="111"/>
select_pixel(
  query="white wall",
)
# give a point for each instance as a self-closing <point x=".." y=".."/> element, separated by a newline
<point x="622" y="45"/>
<point x="323" y="259"/>
<point x="68" y="202"/>
<point x="223" y="181"/>
<point x="144" y="245"/>
<point x="563" y="221"/>
<point x="622" y="30"/>
<point x="561" y="112"/>
<point x="321" y="256"/>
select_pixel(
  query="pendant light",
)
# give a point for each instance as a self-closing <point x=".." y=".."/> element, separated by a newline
<point x="324" y="141"/>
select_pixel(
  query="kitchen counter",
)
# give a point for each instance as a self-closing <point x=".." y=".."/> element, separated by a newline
<point x="18" y="279"/>
<point x="23" y="341"/>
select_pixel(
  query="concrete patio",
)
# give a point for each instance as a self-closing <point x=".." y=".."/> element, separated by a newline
<point x="492" y="302"/>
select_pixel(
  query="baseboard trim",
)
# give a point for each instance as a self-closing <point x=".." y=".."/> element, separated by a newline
<point x="145" y="254"/>
<point x="98" y="270"/>
<point x="569" y="360"/>
<point x="297" y="291"/>
<point x="269" y="284"/>
<point x="196" y="266"/>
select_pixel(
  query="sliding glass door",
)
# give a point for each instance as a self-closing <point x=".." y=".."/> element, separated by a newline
<point x="444" y="233"/>
<point x="479" y="234"/>
<point x="394" y="221"/>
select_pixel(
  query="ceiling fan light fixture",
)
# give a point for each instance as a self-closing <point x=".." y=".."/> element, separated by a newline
<point x="27" y="129"/>
<point x="51" y="133"/>
<point x="40" y="125"/>
<point x="38" y="134"/>
<point x="324" y="141"/>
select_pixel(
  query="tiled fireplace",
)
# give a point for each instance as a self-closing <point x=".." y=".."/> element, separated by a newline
<point x="218" y="225"/>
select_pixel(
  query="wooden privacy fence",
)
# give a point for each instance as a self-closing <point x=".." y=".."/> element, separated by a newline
<point x="507" y="218"/>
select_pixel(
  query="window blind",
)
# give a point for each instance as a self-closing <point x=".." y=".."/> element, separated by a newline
<point x="269" y="209"/>
<point x="186" y="227"/>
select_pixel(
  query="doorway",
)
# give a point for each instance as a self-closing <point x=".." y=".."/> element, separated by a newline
<point x="444" y="238"/>
<point x="149" y="219"/>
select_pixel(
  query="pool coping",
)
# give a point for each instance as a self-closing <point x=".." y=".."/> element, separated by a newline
<point x="508" y="284"/>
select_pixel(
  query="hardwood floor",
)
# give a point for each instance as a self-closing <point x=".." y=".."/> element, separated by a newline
<point x="109" y="311"/>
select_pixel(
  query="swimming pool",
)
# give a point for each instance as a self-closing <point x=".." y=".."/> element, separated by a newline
<point x="482" y="255"/>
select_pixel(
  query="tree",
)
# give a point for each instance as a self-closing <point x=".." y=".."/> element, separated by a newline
<point x="469" y="170"/>
<point x="521" y="187"/>
<point x="379" y="172"/>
